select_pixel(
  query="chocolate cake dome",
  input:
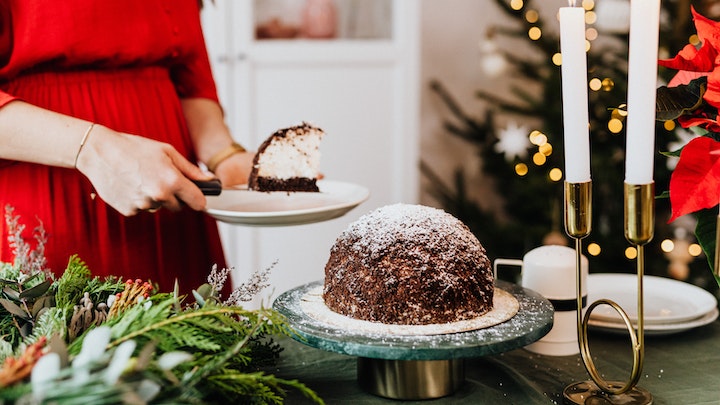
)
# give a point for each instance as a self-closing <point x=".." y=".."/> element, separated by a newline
<point x="410" y="265"/>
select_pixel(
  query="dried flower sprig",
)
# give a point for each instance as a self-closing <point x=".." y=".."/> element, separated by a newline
<point x="134" y="292"/>
<point x="17" y="369"/>
<point x="27" y="259"/>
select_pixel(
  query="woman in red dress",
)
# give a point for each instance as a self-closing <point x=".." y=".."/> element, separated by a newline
<point x="105" y="107"/>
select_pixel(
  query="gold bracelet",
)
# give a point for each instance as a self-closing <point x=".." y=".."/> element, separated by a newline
<point x="217" y="158"/>
<point x="82" y="142"/>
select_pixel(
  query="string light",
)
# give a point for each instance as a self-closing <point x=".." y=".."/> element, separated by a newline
<point x="591" y="34"/>
<point x="593" y="249"/>
<point x="588" y="4"/>
<point x="615" y="126"/>
<point x="590" y="17"/>
<point x="546" y="149"/>
<point x="695" y="250"/>
<point x="516" y="4"/>
<point x="631" y="253"/>
<point x="521" y="169"/>
<point x="669" y="125"/>
<point x="538" y="138"/>
<point x="557" y="59"/>
<point x="534" y="33"/>
<point x="595" y="84"/>
<point x="532" y="16"/>
<point x="539" y="159"/>
<point x="555" y="174"/>
<point x="694" y="40"/>
<point x="622" y="110"/>
<point x="667" y="245"/>
<point x="608" y="84"/>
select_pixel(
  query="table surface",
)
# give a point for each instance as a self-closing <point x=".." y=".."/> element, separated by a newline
<point x="682" y="368"/>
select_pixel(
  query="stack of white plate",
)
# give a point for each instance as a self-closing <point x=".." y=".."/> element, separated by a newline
<point x="671" y="306"/>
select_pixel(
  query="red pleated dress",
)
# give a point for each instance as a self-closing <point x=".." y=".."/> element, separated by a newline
<point x="124" y="64"/>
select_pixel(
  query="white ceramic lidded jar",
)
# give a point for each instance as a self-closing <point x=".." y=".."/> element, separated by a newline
<point x="551" y="271"/>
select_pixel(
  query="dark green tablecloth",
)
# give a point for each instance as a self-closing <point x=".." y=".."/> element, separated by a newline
<point x="680" y="369"/>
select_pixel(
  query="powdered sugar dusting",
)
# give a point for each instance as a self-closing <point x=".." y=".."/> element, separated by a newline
<point x="505" y="306"/>
<point x="381" y="228"/>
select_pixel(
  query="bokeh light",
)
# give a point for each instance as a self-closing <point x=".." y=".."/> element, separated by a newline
<point x="557" y="59"/>
<point x="521" y="169"/>
<point x="590" y="17"/>
<point x="555" y="174"/>
<point x="615" y="126"/>
<point x="535" y="33"/>
<point x="532" y="16"/>
<point x="695" y="250"/>
<point x="546" y="149"/>
<point x="608" y="84"/>
<point x="593" y="249"/>
<point x="667" y="245"/>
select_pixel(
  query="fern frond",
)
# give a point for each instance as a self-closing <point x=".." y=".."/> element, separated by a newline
<point x="258" y="387"/>
<point x="51" y="322"/>
<point x="71" y="284"/>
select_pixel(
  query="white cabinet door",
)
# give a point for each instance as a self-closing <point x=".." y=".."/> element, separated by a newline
<point x="362" y="93"/>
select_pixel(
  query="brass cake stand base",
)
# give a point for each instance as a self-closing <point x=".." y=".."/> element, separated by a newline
<point x="410" y="379"/>
<point x="587" y="393"/>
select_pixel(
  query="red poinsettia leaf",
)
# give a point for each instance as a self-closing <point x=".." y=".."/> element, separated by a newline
<point x="695" y="183"/>
<point x="685" y="77"/>
<point x="712" y="94"/>
<point x="691" y="59"/>
<point x="703" y="122"/>
<point x="707" y="30"/>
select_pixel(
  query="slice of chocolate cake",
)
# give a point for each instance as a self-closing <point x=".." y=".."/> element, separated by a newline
<point x="288" y="160"/>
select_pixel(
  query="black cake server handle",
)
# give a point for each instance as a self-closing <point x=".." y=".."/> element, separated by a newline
<point x="209" y="187"/>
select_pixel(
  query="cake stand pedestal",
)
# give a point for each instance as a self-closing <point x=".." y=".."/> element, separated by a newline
<point x="410" y="367"/>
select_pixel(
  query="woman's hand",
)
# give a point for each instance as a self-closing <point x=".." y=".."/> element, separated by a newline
<point x="133" y="174"/>
<point x="235" y="170"/>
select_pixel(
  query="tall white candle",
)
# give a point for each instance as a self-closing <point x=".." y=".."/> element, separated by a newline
<point x="575" y="94"/>
<point x="642" y="84"/>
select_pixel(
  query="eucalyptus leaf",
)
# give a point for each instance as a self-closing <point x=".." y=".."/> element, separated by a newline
<point x="26" y="330"/>
<point x="46" y="301"/>
<point x="14" y="309"/>
<point x="10" y="293"/>
<point x="37" y="290"/>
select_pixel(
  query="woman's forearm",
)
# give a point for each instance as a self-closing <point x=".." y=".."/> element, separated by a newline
<point x="207" y="127"/>
<point x="32" y="134"/>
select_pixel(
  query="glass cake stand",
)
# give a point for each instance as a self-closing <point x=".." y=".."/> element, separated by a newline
<point x="412" y="367"/>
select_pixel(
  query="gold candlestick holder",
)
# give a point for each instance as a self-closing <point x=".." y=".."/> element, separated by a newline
<point x="639" y="228"/>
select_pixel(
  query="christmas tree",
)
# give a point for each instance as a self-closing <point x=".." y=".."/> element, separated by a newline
<point x="525" y="159"/>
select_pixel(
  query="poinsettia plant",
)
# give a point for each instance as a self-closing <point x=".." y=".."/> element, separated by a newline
<point x="693" y="98"/>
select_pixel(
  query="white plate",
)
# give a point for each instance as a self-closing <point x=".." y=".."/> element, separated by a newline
<point x="666" y="300"/>
<point x="280" y="208"/>
<point x="658" y="328"/>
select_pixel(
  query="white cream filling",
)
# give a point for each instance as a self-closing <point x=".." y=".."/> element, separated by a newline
<point x="295" y="155"/>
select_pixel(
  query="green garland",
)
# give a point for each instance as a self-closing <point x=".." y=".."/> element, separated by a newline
<point x="142" y="350"/>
